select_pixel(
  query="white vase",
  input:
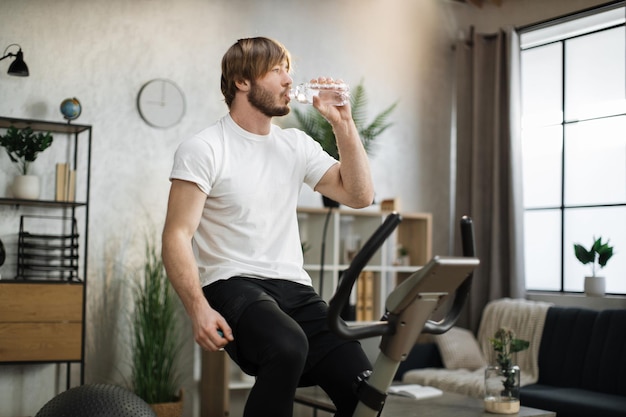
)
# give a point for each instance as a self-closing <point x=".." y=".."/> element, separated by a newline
<point x="595" y="286"/>
<point x="26" y="187"/>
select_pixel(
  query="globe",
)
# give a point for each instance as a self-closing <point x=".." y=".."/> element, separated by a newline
<point x="71" y="108"/>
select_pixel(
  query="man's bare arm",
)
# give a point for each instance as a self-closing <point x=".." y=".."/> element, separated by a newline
<point x="350" y="181"/>
<point x="185" y="205"/>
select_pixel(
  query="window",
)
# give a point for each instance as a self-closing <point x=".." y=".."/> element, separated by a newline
<point x="573" y="79"/>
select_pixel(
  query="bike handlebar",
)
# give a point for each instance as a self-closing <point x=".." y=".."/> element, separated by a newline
<point x="461" y="294"/>
<point x="348" y="278"/>
<point x="350" y="275"/>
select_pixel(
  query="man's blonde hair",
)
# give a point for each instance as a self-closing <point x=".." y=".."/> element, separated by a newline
<point x="249" y="59"/>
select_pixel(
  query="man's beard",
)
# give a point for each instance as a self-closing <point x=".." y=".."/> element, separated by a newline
<point x="265" y="101"/>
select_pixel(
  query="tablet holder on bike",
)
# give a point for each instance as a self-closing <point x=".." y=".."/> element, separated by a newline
<point x="409" y="308"/>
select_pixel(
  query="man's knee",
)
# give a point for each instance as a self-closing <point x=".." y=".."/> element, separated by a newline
<point x="269" y="337"/>
<point x="291" y="350"/>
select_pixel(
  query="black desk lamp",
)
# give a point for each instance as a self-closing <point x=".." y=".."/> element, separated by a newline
<point x="17" y="67"/>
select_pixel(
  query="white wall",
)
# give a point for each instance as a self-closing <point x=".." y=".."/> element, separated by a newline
<point x="102" y="51"/>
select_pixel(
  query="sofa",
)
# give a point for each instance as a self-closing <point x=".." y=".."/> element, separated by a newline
<point x="575" y="365"/>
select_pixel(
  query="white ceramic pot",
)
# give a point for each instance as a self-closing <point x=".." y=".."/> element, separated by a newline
<point x="26" y="187"/>
<point x="595" y="286"/>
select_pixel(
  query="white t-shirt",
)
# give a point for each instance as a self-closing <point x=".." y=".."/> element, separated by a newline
<point x="249" y="223"/>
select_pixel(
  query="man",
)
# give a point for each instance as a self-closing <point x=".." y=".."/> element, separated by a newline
<point x="231" y="245"/>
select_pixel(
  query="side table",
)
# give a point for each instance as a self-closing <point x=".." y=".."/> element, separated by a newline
<point x="446" y="405"/>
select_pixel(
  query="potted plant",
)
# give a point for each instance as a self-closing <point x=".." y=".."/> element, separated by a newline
<point x="403" y="258"/>
<point x="155" y="341"/>
<point x="598" y="255"/>
<point x="314" y="124"/>
<point x="502" y="381"/>
<point x="23" y="146"/>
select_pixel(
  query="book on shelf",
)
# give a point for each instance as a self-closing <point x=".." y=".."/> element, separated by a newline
<point x="61" y="181"/>
<point x="415" y="391"/>
<point x="65" y="189"/>
<point x="365" y="296"/>
<point x="71" y="186"/>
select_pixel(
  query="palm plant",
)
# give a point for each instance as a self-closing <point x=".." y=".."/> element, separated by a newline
<point x="155" y="344"/>
<point x="314" y="124"/>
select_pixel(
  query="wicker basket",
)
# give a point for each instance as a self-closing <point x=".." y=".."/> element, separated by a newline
<point x="172" y="409"/>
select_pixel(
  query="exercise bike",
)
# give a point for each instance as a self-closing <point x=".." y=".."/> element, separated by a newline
<point x="409" y="308"/>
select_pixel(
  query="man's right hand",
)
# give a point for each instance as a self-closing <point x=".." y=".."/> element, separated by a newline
<point x="207" y="325"/>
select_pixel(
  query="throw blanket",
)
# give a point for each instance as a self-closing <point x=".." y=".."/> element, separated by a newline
<point x="467" y="375"/>
<point x="526" y="318"/>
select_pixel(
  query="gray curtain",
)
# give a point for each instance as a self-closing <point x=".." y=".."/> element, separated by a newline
<point x="488" y="166"/>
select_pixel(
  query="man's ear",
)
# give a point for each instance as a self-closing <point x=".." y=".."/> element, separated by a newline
<point x="242" y="85"/>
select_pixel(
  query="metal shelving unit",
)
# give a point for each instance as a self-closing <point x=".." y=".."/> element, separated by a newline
<point x="48" y="256"/>
<point x="42" y="312"/>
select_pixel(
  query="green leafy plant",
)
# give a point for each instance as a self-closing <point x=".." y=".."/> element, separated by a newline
<point x="156" y="342"/>
<point x="23" y="146"/>
<point x="314" y="124"/>
<point x="505" y="344"/>
<point x="598" y="255"/>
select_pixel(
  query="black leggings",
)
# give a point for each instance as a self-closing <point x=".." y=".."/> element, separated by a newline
<point x="280" y="349"/>
<point x="282" y="337"/>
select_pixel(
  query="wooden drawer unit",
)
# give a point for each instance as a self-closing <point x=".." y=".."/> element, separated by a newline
<point x="40" y="322"/>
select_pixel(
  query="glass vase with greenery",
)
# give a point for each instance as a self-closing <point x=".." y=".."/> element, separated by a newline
<point x="156" y="342"/>
<point x="23" y="146"/>
<point x="505" y="344"/>
<point x="502" y="381"/>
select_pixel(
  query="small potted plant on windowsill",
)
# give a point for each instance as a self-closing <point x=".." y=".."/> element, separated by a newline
<point x="598" y="255"/>
<point x="23" y="146"/>
<point x="502" y="381"/>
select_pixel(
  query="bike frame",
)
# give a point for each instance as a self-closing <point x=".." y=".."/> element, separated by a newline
<point x="408" y="309"/>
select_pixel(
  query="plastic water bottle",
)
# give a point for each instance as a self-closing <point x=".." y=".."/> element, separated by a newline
<point x="336" y="94"/>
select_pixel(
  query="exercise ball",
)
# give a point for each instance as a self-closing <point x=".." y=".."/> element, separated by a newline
<point x="96" y="400"/>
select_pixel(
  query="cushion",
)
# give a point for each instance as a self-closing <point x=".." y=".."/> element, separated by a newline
<point x="459" y="349"/>
<point x="423" y="355"/>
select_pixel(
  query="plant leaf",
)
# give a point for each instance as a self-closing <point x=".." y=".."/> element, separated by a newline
<point x="605" y="253"/>
<point x="517" y="345"/>
<point x="597" y="244"/>
<point x="583" y="255"/>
